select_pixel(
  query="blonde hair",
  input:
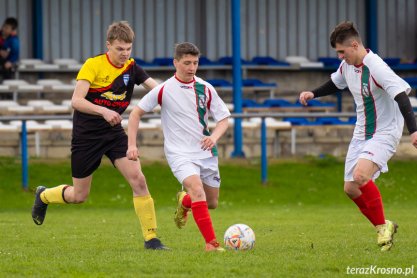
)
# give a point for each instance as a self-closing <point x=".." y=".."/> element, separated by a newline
<point x="121" y="31"/>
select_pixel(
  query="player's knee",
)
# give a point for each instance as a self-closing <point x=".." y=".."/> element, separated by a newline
<point x="349" y="191"/>
<point x="360" y="178"/>
<point x="196" y="191"/>
<point x="138" y="181"/>
<point x="212" y="204"/>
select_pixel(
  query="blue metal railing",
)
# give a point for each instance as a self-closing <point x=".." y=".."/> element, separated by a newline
<point x="263" y="135"/>
<point x="25" y="156"/>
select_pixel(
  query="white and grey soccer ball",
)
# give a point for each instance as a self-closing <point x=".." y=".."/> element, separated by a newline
<point x="239" y="237"/>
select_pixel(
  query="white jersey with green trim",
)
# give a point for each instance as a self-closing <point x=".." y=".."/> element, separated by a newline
<point x="374" y="86"/>
<point x="185" y="108"/>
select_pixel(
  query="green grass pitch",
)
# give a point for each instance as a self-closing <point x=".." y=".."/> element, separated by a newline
<point x="304" y="224"/>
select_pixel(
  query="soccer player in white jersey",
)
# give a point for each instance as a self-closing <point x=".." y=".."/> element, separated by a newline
<point x="186" y="102"/>
<point x="381" y="97"/>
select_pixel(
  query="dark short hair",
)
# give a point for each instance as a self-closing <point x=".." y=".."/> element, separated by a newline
<point x="185" y="48"/>
<point x="121" y="31"/>
<point x="11" y="21"/>
<point x="342" y="32"/>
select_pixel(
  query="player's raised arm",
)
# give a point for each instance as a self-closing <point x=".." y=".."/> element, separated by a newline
<point x="132" y="131"/>
<point x="326" y="89"/>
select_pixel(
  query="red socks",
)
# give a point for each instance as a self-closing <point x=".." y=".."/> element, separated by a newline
<point x="370" y="203"/>
<point x="360" y="202"/>
<point x="186" y="201"/>
<point x="202" y="219"/>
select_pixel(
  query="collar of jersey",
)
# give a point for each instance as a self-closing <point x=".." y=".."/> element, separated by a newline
<point x="179" y="80"/>
<point x="108" y="59"/>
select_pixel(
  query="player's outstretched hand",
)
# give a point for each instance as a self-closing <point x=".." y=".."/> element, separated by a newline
<point x="207" y="143"/>
<point x="414" y="139"/>
<point x="132" y="153"/>
<point x="306" y="96"/>
<point x="112" y="117"/>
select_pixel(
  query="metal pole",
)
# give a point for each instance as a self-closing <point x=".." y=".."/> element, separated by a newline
<point x="24" y="153"/>
<point x="264" y="159"/>
<point x="339" y="101"/>
<point x="237" y="79"/>
<point x="372" y="25"/>
<point x="37" y="29"/>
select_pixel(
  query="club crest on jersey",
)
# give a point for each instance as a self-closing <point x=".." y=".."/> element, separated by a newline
<point x="110" y="96"/>
<point x="365" y="90"/>
<point x="126" y="79"/>
<point x="201" y="101"/>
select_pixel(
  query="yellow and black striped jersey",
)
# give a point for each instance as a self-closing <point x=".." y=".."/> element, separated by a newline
<point x="110" y="87"/>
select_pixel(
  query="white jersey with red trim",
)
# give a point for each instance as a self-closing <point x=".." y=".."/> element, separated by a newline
<point x="185" y="108"/>
<point x="374" y="86"/>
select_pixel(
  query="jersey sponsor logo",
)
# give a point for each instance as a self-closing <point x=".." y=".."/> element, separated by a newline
<point x="108" y="103"/>
<point x="110" y="96"/>
<point x="186" y="87"/>
<point x="126" y="78"/>
<point x="357" y="70"/>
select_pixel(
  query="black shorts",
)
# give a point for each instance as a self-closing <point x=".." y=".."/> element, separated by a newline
<point x="86" y="154"/>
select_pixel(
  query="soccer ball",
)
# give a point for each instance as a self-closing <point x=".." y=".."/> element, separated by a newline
<point x="239" y="237"/>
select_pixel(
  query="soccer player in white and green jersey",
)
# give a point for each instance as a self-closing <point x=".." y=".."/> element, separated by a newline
<point x="186" y="101"/>
<point x="382" y="105"/>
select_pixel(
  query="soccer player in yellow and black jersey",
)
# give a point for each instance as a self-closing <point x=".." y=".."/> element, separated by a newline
<point x="102" y="93"/>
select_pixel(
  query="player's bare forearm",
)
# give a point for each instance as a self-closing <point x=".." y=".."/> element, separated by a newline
<point x="133" y="126"/>
<point x="149" y="84"/>
<point x="208" y="142"/>
<point x="220" y="129"/>
<point x="83" y="105"/>
<point x="79" y="102"/>
<point x="132" y="131"/>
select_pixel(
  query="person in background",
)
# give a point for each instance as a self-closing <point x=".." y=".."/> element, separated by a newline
<point x="9" y="47"/>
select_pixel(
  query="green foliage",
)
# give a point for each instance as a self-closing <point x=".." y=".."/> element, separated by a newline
<point x="304" y="224"/>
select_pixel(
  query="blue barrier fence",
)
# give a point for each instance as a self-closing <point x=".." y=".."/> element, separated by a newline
<point x="263" y="135"/>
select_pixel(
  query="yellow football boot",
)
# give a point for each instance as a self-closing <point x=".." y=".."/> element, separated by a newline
<point x="386" y="234"/>
<point x="180" y="217"/>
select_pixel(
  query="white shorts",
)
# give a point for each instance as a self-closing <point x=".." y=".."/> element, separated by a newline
<point x="378" y="149"/>
<point x="207" y="169"/>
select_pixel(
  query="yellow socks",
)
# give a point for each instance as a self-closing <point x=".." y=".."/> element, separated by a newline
<point x="54" y="195"/>
<point x="145" y="211"/>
